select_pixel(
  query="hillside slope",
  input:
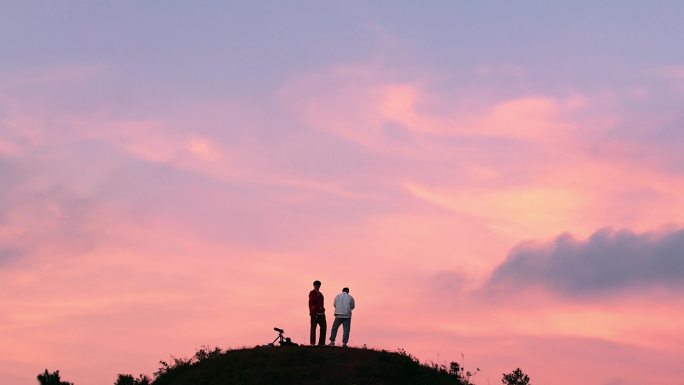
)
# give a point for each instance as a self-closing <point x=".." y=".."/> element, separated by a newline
<point x="307" y="366"/>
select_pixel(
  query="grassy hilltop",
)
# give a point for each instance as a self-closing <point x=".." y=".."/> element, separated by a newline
<point x="301" y="365"/>
<point x="306" y="366"/>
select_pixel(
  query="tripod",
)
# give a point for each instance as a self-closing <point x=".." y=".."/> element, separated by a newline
<point x="280" y="338"/>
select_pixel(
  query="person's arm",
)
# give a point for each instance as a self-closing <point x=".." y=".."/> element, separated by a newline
<point x="312" y="303"/>
<point x="352" y="304"/>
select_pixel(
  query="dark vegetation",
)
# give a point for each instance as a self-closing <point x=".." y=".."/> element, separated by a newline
<point x="303" y="365"/>
<point x="516" y="377"/>
<point x="127" y="379"/>
<point x="47" y="378"/>
<point x="266" y="365"/>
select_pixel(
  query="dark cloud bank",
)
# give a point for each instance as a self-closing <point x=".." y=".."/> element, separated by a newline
<point x="607" y="262"/>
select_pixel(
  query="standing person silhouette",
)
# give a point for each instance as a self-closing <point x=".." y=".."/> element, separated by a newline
<point x="344" y="304"/>
<point x="317" y="313"/>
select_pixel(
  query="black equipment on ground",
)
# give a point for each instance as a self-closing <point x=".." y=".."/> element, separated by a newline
<point x="282" y="340"/>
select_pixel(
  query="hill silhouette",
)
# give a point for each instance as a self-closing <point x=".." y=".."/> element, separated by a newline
<point x="307" y="366"/>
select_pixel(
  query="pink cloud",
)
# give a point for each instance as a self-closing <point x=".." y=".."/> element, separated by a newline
<point x="377" y="100"/>
<point x="172" y="224"/>
<point x="9" y="149"/>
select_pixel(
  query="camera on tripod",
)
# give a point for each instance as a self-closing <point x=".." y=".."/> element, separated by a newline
<point x="282" y="340"/>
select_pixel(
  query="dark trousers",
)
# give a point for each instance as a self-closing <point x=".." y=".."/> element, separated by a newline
<point x="318" y="319"/>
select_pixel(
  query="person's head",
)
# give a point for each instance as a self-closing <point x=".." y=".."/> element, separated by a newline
<point x="345" y="290"/>
<point x="317" y="284"/>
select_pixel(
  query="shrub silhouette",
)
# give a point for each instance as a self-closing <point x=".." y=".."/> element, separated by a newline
<point x="516" y="377"/>
<point x="48" y="378"/>
<point x="203" y="354"/>
<point x="127" y="379"/>
<point x="456" y="369"/>
<point x="207" y="353"/>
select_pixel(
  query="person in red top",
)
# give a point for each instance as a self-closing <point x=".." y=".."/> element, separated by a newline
<point x="317" y="313"/>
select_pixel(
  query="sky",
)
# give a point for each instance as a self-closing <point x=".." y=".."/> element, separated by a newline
<point x="498" y="183"/>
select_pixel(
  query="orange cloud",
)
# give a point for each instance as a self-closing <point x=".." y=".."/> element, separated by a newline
<point x="517" y="212"/>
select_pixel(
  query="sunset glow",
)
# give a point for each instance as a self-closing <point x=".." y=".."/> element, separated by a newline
<point x="499" y="183"/>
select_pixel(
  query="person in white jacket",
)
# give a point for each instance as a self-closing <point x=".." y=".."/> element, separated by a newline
<point x="344" y="304"/>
